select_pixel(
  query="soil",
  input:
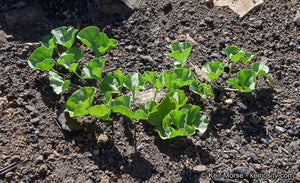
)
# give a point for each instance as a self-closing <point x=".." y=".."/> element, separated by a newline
<point x="257" y="133"/>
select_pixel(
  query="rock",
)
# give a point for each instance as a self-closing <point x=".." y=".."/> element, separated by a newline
<point x="200" y="168"/>
<point x="279" y="129"/>
<point x="297" y="105"/>
<point x="257" y="24"/>
<point x="129" y="48"/>
<point x="30" y="108"/>
<point x="35" y="121"/>
<point x="43" y="169"/>
<point x="253" y="157"/>
<point x="208" y="1"/>
<point x="141" y="146"/>
<point x="241" y="170"/>
<point x="141" y="97"/>
<point x="51" y="157"/>
<point x="167" y="7"/>
<point x="294" y="146"/>
<point x="241" y="105"/>
<point x="9" y="175"/>
<point x="124" y="7"/>
<point x="103" y="138"/>
<point x="263" y="140"/>
<point x="297" y="18"/>
<point x="257" y="167"/>
<point x="33" y="138"/>
<point x="208" y="20"/>
<point x="56" y="154"/>
<point x="26" y="15"/>
<point x="297" y="178"/>
<point x="39" y="159"/>
<point x="241" y="7"/>
<point x="68" y="123"/>
<point x="15" y="158"/>
<point x="147" y="59"/>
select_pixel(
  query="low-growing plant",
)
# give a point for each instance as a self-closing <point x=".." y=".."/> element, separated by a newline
<point x="171" y="117"/>
<point x="246" y="79"/>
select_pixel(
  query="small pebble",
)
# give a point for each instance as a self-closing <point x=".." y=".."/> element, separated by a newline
<point x="140" y="147"/>
<point x="96" y="152"/>
<point x="35" y="120"/>
<point x="229" y="101"/>
<point x="43" y="169"/>
<point x="253" y="157"/>
<point x="39" y="159"/>
<point x="279" y="129"/>
<point x="257" y="167"/>
<point x="9" y="175"/>
<point x="241" y="170"/>
<point x="200" y="168"/>
<point x="103" y="138"/>
<point x="263" y="140"/>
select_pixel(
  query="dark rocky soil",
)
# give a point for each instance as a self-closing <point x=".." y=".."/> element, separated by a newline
<point x="258" y="133"/>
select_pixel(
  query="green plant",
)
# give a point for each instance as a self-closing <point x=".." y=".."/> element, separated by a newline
<point x="246" y="79"/>
<point x="171" y="117"/>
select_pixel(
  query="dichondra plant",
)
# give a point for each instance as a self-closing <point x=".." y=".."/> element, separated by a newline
<point x="171" y="117"/>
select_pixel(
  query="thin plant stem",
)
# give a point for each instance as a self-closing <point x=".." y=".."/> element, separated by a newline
<point x="229" y="73"/>
<point x="58" y="72"/>
<point x="156" y="91"/>
<point x="133" y="101"/>
<point x="75" y="85"/>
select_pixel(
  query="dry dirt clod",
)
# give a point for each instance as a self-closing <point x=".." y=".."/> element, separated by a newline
<point x="257" y="167"/>
<point x="43" y="169"/>
<point x="103" y="138"/>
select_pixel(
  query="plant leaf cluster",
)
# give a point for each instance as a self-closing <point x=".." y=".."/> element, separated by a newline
<point x="171" y="117"/>
<point x="246" y="79"/>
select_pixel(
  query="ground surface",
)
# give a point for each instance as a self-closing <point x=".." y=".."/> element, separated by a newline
<point x="259" y="132"/>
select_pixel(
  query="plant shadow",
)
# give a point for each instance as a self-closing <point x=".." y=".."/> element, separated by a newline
<point x="106" y="155"/>
<point x="259" y="106"/>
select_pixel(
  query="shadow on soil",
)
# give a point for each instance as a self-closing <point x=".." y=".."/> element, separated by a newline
<point x="107" y="157"/>
<point x="29" y="21"/>
<point x="259" y="105"/>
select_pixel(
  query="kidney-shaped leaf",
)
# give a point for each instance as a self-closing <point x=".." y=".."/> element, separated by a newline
<point x="134" y="82"/>
<point x="58" y="83"/>
<point x="158" y="113"/>
<point x="181" y="52"/>
<point x="182" y="122"/>
<point x="247" y="57"/>
<point x="100" y="111"/>
<point x="64" y="36"/>
<point x="94" y="69"/>
<point x="213" y="69"/>
<point x="48" y="42"/>
<point x="259" y="69"/>
<point x="123" y="105"/>
<point x="184" y="77"/>
<point x="112" y="83"/>
<point x="234" y="53"/>
<point x="245" y="81"/>
<point x="41" y="59"/>
<point x="95" y="40"/>
<point x="194" y="118"/>
<point x="80" y="101"/>
<point x="77" y="52"/>
<point x="204" y="90"/>
<point x="67" y="60"/>
<point x="179" y="96"/>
